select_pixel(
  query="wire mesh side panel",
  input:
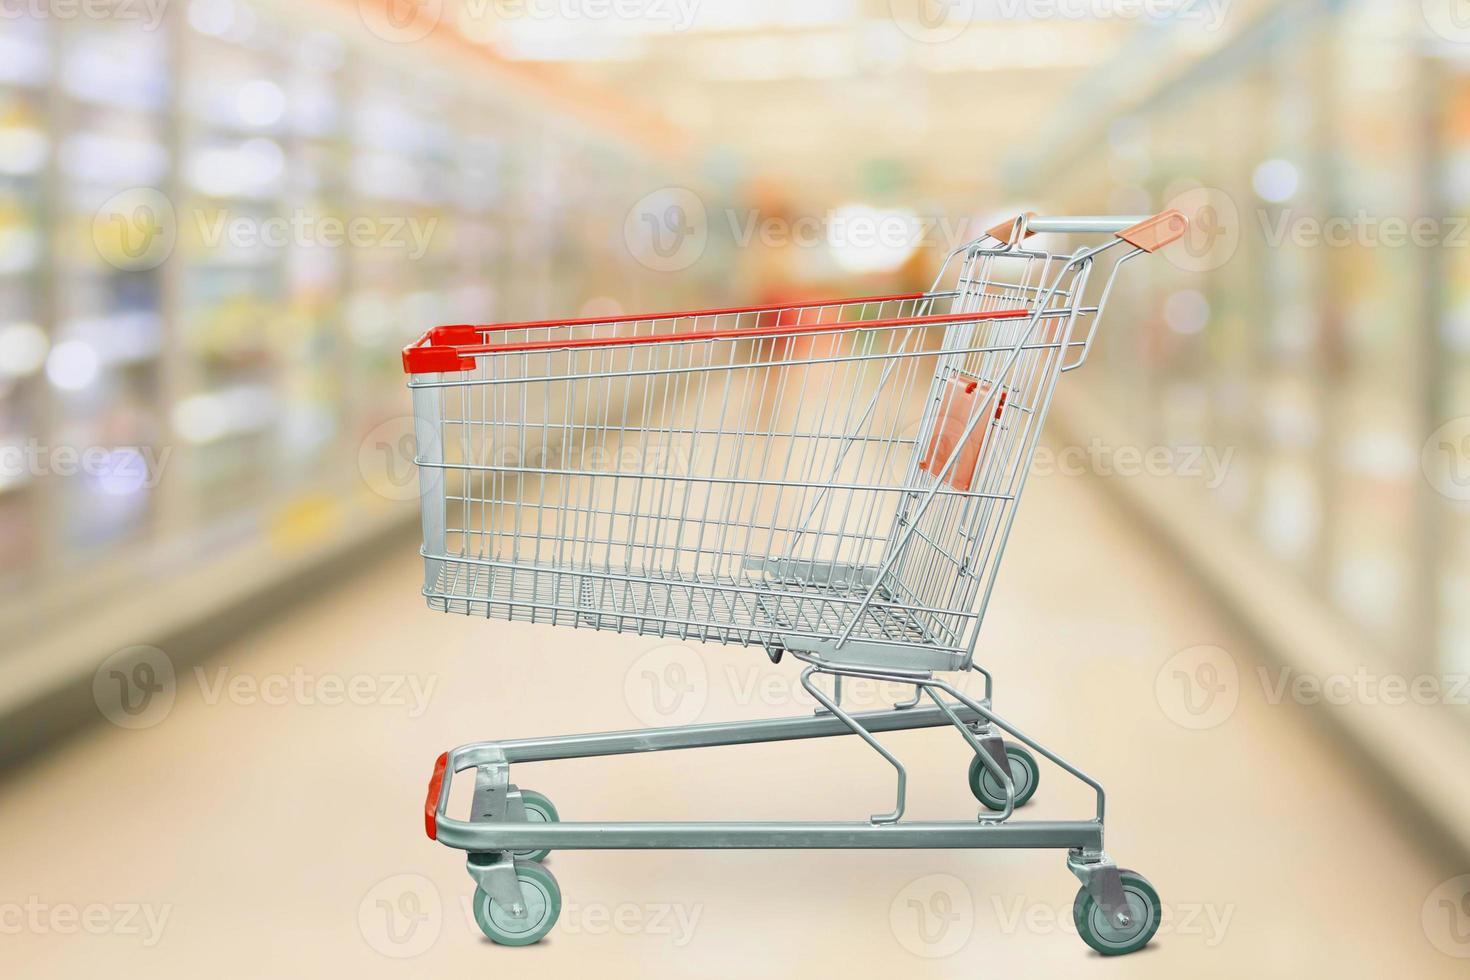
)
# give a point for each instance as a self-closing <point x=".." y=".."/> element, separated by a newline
<point x="737" y="489"/>
<point x="977" y="435"/>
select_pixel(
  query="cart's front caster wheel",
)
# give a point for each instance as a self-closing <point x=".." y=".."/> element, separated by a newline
<point x="1024" y="774"/>
<point x="1112" y="937"/>
<point x="543" y="906"/>
<point x="538" y="810"/>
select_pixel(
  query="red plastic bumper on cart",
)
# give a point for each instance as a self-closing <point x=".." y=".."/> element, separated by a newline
<point x="431" y="802"/>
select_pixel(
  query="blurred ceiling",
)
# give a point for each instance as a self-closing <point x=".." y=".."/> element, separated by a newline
<point x="831" y="98"/>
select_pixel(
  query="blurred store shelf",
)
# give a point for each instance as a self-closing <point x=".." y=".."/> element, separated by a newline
<point x="216" y="232"/>
<point x="1321" y="364"/>
<point x="1294" y="337"/>
<point x="1321" y="662"/>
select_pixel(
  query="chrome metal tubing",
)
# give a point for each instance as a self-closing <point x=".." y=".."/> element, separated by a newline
<point x="695" y="736"/>
<point x="830" y="703"/>
<point x="1084" y="224"/>
<point x="1085" y="834"/>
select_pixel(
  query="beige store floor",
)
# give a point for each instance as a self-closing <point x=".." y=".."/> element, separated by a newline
<point x="262" y="829"/>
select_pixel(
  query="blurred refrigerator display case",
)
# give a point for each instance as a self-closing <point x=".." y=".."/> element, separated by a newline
<point x="215" y="237"/>
<point x="1376" y="390"/>
<point x="107" y="335"/>
<point x="404" y="143"/>
<point x="1314" y="370"/>
<point x="1279" y="205"/>
<point x="26" y="68"/>
<point x="1447" y="454"/>
<point x="235" y="323"/>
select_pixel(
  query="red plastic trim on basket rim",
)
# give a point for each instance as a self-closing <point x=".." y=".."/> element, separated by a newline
<point x="460" y="356"/>
<point x="459" y="334"/>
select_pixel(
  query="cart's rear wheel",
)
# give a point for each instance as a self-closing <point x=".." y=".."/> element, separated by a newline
<point x="1112" y="938"/>
<point x="1025" y="774"/>
<point x="543" y="906"/>
<point x="538" y="810"/>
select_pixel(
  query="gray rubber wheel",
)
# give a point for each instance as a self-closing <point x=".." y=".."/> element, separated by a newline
<point x="1112" y="938"/>
<point x="538" y="810"/>
<point x="1025" y="774"/>
<point x="543" y="907"/>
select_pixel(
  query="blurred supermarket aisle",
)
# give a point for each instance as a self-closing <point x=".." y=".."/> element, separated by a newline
<point x="220" y="220"/>
<point x="268" y="821"/>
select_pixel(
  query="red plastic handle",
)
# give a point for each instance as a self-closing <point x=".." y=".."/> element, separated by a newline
<point x="460" y="357"/>
<point x="431" y="802"/>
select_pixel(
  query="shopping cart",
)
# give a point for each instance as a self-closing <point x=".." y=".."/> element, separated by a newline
<point x="831" y="480"/>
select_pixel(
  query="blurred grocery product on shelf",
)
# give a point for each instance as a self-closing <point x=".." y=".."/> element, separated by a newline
<point x="216" y="231"/>
<point x="1298" y="332"/>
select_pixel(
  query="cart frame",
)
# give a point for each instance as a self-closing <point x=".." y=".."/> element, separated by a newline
<point x="1116" y="910"/>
